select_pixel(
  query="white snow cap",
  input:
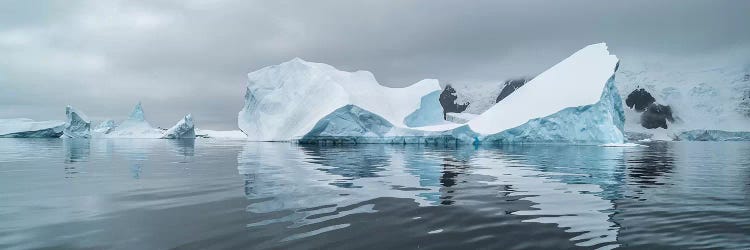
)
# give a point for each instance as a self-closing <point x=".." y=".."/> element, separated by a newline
<point x="577" y="81"/>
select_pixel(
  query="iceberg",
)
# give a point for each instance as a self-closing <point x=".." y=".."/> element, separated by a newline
<point x="105" y="127"/>
<point x="183" y="129"/>
<point x="135" y="126"/>
<point x="78" y="124"/>
<point x="285" y="101"/>
<point x="575" y="101"/>
<point x="27" y="128"/>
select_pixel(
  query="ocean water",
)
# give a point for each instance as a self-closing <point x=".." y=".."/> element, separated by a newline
<point x="224" y="194"/>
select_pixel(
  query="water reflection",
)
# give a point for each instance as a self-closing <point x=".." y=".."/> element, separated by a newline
<point x="687" y="195"/>
<point x="571" y="187"/>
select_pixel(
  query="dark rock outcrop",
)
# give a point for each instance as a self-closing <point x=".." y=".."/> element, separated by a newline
<point x="639" y="99"/>
<point x="448" y="101"/>
<point x="509" y="87"/>
<point x="656" y="116"/>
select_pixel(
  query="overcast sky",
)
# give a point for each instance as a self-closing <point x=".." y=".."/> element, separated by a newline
<point x="181" y="57"/>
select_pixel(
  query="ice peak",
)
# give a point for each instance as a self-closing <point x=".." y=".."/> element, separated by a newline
<point x="137" y="113"/>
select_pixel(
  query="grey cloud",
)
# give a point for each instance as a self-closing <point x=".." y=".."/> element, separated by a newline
<point x="192" y="56"/>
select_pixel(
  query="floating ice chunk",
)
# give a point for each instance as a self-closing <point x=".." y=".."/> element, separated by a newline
<point x="183" y="129"/>
<point x="78" y="124"/>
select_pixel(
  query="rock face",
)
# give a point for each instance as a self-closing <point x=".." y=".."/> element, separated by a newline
<point x="639" y="100"/>
<point x="27" y="128"/>
<point x="182" y="130"/>
<point x="448" y="101"/>
<point x="656" y="116"/>
<point x="284" y="102"/>
<point x="509" y="87"/>
<point x="78" y="124"/>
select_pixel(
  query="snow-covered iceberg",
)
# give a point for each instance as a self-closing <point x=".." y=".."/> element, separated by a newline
<point x="183" y="129"/>
<point x="575" y="101"/>
<point x="135" y="126"/>
<point x="27" y="128"/>
<point x="285" y="101"/>
<point x="78" y="124"/>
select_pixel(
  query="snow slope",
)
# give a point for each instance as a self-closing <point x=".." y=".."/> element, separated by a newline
<point x="577" y="81"/>
<point x="78" y="124"/>
<point x="285" y="101"/>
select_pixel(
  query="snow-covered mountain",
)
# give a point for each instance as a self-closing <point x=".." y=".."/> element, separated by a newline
<point x="686" y="95"/>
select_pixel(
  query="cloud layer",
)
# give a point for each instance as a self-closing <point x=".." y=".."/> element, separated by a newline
<point x="192" y="56"/>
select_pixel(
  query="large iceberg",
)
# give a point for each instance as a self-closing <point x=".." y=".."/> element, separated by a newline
<point x="283" y="102"/>
<point x="135" y="126"/>
<point x="575" y="101"/>
<point x="183" y="129"/>
<point x="27" y="128"/>
<point x="78" y="124"/>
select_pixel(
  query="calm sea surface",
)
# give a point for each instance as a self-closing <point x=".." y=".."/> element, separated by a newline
<point x="216" y="194"/>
